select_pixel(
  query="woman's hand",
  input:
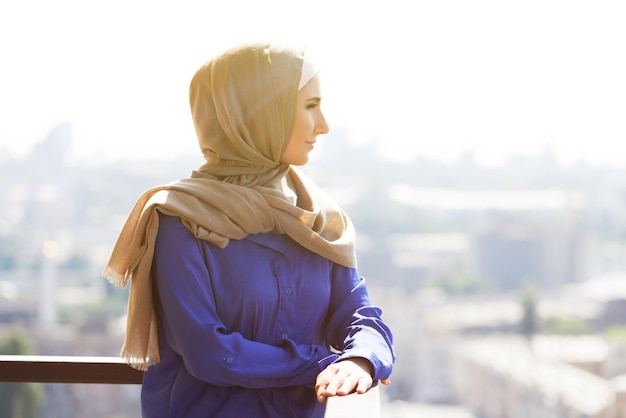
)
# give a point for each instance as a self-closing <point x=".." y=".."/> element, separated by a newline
<point x="343" y="378"/>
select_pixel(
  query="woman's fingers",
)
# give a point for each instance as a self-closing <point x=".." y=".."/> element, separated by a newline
<point x="323" y="380"/>
<point x="346" y="385"/>
<point x="341" y="379"/>
<point x="364" y="384"/>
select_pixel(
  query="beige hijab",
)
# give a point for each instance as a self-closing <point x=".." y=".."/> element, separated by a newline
<point x="243" y="104"/>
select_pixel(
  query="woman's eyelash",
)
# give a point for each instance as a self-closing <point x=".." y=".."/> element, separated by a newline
<point x="313" y="102"/>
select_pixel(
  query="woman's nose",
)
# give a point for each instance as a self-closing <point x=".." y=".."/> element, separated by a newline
<point x="321" y="126"/>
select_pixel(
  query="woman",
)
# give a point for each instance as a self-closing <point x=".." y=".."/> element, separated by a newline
<point x="245" y="300"/>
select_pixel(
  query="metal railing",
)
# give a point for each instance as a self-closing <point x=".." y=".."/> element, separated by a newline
<point x="67" y="369"/>
<point x="113" y="370"/>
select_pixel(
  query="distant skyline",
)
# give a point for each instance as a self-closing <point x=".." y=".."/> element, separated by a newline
<point x="424" y="78"/>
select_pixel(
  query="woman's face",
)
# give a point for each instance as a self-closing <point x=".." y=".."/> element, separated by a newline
<point x="309" y="123"/>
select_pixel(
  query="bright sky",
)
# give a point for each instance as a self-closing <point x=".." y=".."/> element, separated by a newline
<point x="432" y="78"/>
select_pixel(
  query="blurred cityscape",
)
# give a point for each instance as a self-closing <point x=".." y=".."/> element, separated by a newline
<point x="505" y="287"/>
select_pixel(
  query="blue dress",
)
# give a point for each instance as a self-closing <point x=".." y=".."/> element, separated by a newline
<point x="244" y="330"/>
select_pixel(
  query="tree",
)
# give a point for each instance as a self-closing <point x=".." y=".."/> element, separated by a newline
<point x="19" y="400"/>
<point x="529" y="323"/>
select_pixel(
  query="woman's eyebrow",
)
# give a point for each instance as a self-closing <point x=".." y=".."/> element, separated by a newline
<point x="314" y="99"/>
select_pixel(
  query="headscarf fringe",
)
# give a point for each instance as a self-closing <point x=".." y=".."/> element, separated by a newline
<point x="114" y="277"/>
<point x="137" y="363"/>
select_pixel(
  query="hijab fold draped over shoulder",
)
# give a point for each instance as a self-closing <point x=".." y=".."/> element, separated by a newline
<point x="243" y="106"/>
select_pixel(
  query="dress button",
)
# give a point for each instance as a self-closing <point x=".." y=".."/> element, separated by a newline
<point x="289" y="291"/>
<point x="229" y="359"/>
<point x="285" y="335"/>
<point x="282" y="381"/>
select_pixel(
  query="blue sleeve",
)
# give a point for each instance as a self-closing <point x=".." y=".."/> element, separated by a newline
<point x="355" y="326"/>
<point x="192" y="328"/>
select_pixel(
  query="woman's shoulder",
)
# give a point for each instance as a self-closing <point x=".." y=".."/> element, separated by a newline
<point x="170" y="223"/>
